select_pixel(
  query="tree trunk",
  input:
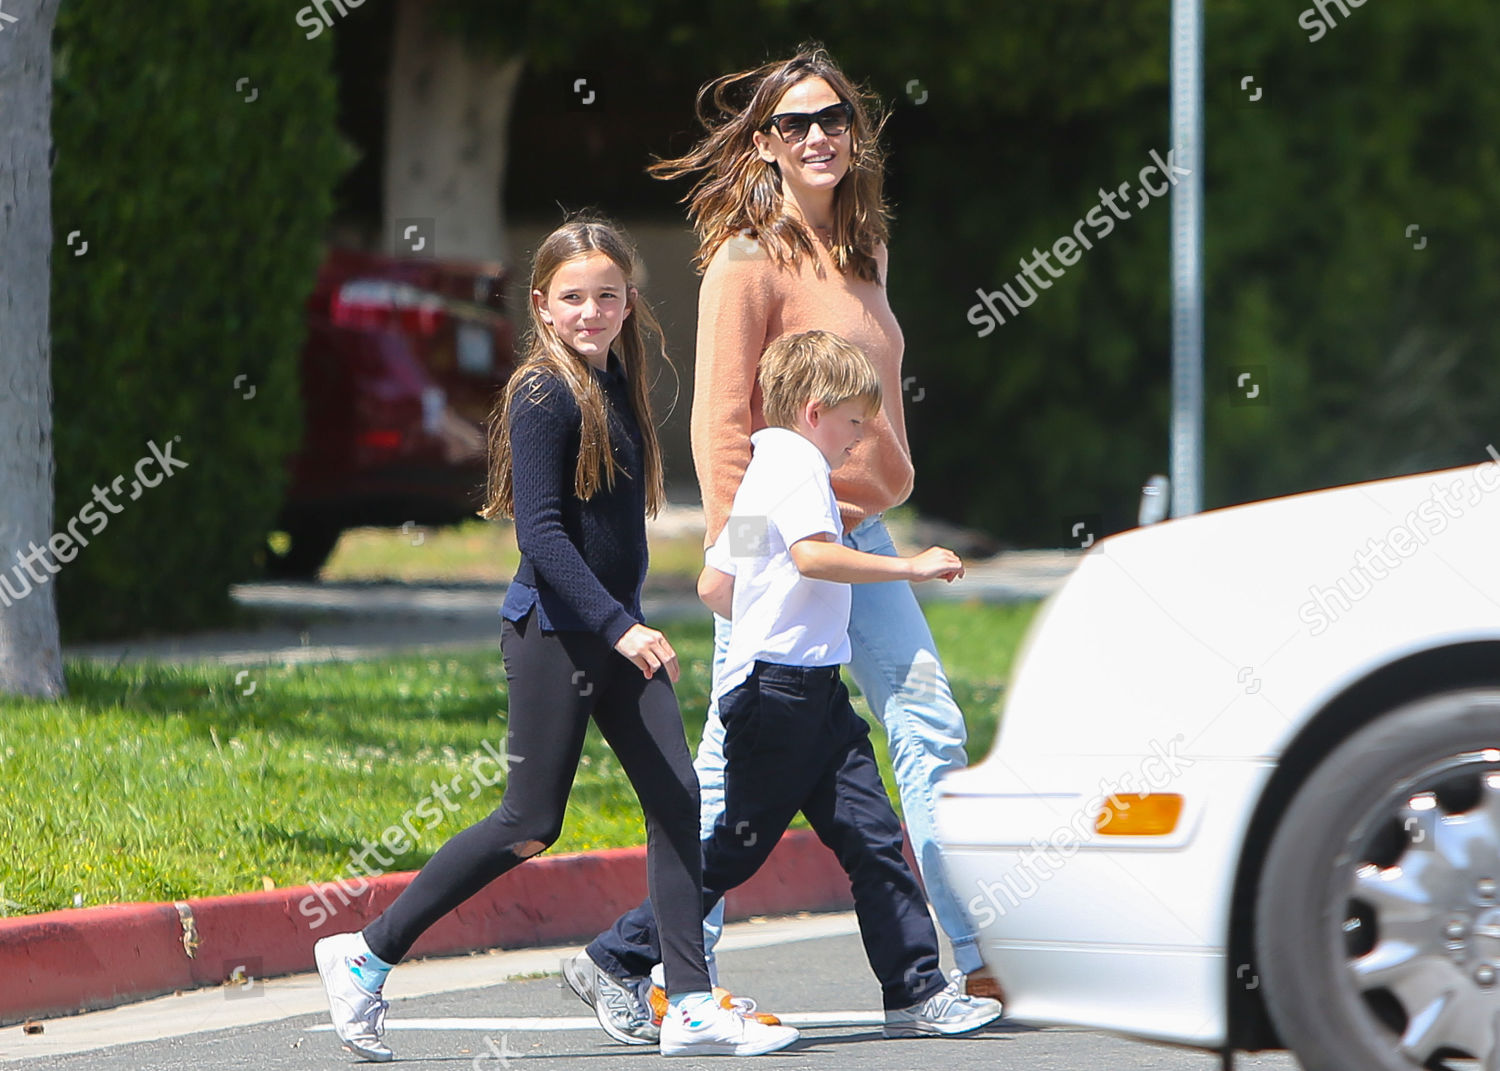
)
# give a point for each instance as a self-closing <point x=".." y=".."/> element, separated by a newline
<point x="30" y="656"/>
<point x="446" y="144"/>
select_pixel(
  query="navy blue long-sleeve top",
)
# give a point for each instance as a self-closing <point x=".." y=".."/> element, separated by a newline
<point x="582" y="563"/>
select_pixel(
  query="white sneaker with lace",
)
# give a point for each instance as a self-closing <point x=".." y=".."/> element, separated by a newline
<point x="711" y="1030"/>
<point x="358" y="1015"/>
<point x="948" y="1012"/>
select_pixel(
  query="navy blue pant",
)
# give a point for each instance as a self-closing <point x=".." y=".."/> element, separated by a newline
<point x="792" y="742"/>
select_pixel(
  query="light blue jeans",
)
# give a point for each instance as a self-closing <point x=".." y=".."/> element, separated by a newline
<point x="895" y="663"/>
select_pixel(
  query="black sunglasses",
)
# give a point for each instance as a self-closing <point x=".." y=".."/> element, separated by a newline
<point x="793" y="126"/>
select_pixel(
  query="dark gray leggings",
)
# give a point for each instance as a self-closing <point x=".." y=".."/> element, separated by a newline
<point x="558" y="680"/>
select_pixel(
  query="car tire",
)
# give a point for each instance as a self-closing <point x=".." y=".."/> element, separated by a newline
<point x="1382" y="856"/>
<point x="311" y="544"/>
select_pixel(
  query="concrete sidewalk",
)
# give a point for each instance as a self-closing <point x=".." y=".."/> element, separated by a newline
<point x="317" y="622"/>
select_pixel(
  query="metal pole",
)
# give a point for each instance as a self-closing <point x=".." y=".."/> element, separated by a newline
<point x="1187" y="258"/>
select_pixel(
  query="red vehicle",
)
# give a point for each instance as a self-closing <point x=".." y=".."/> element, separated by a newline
<point x="403" y="360"/>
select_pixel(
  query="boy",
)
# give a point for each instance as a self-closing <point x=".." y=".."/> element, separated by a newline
<point x="792" y="740"/>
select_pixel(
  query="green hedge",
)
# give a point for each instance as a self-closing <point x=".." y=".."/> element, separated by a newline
<point x="203" y="214"/>
<point x="1377" y="355"/>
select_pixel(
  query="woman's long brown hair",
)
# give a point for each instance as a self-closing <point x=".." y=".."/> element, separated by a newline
<point x="548" y="359"/>
<point x="737" y="191"/>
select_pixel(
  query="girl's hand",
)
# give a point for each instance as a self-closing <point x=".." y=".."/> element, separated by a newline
<point x="650" y="651"/>
<point x="936" y="563"/>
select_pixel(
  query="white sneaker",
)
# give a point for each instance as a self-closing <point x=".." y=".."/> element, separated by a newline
<point x="711" y="1030"/>
<point x="358" y="1015"/>
<point x="946" y="1013"/>
<point x="617" y="1003"/>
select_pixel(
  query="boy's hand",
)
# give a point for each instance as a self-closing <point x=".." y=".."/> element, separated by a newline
<point x="650" y="651"/>
<point x="936" y="563"/>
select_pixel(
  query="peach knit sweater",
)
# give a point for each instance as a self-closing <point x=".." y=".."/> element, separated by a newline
<point x="745" y="303"/>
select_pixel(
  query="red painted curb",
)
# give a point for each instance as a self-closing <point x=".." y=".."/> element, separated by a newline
<point x="63" y="962"/>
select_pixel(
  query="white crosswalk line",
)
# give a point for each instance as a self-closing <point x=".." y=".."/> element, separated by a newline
<point x="583" y="1022"/>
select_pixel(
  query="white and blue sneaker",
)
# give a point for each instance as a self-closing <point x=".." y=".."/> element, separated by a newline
<point x="945" y="1013"/>
<point x="617" y="1003"/>
<point x="358" y="1015"/>
<point x="707" y="1029"/>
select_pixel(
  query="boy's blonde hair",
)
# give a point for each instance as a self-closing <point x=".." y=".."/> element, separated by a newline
<point x="816" y="366"/>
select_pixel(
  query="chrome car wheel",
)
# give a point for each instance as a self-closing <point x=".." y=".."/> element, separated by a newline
<point x="1423" y="911"/>
<point x="1378" y="907"/>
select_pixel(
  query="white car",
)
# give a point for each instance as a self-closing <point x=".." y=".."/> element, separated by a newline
<point x="1246" y="793"/>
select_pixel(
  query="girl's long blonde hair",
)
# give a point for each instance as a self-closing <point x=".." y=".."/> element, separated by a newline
<point x="738" y="191"/>
<point x="548" y="359"/>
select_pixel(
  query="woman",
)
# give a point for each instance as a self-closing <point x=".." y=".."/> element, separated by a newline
<point x="792" y="229"/>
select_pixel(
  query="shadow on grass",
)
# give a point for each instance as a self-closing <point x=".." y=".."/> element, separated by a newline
<point x="318" y="845"/>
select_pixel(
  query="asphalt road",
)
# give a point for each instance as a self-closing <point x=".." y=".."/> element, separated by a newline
<point x="456" y="1014"/>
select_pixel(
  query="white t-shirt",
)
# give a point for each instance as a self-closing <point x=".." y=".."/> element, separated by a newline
<point x="779" y="614"/>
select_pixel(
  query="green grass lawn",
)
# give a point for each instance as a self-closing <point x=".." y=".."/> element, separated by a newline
<point x="158" y="783"/>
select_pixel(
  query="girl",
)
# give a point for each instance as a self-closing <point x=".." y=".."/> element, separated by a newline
<point x="791" y="222"/>
<point x="574" y="458"/>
